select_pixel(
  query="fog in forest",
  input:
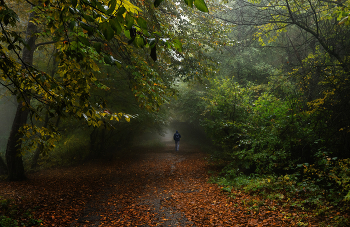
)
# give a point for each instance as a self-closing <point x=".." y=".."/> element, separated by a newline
<point x="192" y="135"/>
<point x="7" y="114"/>
<point x="263" y="85"/>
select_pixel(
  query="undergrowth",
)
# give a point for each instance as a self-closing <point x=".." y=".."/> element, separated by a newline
<point x="295" y="191"/>
<point x="72" y="148"/>
<point x="13" y="216"/>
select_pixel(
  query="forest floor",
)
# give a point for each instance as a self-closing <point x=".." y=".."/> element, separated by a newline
<point x="144" y="187"/>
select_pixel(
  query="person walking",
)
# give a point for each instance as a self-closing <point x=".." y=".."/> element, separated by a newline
<point x="177" y="137"/>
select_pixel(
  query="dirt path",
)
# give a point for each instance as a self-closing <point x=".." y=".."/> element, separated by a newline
<point x="144" y="181"/>
<point x="144" y="187"/>
<point x="129" y="190"/>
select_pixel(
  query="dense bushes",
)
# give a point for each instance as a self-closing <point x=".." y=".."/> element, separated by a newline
<point x="13" y="215"/>
<point x="270" y="130"/>
<point x="256" y="127"/>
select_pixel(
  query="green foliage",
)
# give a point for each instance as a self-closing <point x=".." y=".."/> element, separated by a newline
<point x="321" y="71"/>
<point x="326" y="88"/>
<point x="73" y="148"/>
<point x="188" y="105"/>
<point x="256" y="128"/>
<point x="83" y="34"/>
<point x="330" y="173"/>
<point x="13" y="216"/>
<point x="288" y="190"/>
<point x="248" y="64"/>
<point x="262" y="130"/>
<point x="268" y="145"/>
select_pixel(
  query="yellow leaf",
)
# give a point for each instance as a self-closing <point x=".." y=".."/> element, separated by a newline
<point x="128" y="6"/>
<point x="94" y="67"/>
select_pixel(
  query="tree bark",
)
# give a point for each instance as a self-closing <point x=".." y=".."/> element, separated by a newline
<point x="3" y="167"/>
<point x="13" y="156"/>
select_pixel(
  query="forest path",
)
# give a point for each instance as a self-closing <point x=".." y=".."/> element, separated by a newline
<point x="147" y="186"/>
<point x="146" y="179"/>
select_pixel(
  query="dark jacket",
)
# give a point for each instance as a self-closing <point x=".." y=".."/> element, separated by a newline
<point x="177" y="136"/>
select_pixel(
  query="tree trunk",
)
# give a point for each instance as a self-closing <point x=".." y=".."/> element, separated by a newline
<point x="3" y="167"/>
<point x="13" y="156"/>
<point x="94" y="141"/>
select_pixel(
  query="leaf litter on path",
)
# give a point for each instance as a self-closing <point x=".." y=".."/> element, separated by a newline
<point x="149" y="188"/>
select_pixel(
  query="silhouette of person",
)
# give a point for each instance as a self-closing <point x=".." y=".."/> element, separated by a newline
<point x="177" y="137"/>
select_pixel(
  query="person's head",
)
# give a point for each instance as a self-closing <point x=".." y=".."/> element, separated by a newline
<point x="176" y="131"/>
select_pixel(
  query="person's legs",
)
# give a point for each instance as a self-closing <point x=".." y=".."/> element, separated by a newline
<point x="177" y="145"/>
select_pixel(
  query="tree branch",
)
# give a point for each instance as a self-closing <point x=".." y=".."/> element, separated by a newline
<point x="316" y="35"/>
<point x="44" y="43"/>
<point x="32" y="4"/>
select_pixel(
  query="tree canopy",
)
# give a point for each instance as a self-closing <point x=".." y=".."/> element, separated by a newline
<point x="84" y="36"/>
